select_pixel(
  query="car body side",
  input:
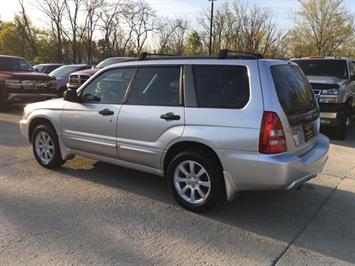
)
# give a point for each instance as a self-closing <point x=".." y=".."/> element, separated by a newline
<point x="231" y="134"/>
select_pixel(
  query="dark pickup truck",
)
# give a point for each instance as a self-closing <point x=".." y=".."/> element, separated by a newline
<point x="20" y="83"/>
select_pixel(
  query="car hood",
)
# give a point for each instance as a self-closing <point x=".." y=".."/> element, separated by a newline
<point x="49" y="104"/>
<point x="89" y="72"/>
<point x="24" y="75"/>
<point x="326" y="80"/>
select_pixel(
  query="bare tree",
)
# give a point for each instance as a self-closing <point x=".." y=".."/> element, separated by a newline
<point x="72" y="9"/>
<point x="54" y="10"/>
<point x="171" y="36"/>
<point x="27" y="30"/>
<point x="93" y="14"/>
<point x="238" y="26"/>
<point x="140" y="19"/>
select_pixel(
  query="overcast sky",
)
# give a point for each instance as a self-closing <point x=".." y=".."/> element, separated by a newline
<point x="283" y="9"/>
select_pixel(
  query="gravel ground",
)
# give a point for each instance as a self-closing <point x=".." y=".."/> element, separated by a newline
<point x="90" y="212"/>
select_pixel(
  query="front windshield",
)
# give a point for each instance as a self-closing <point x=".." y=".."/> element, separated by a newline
<point x="107" y="62"/>
<point x="15" y="64"/>
<point x="324" y="68"/>
<point x="63" y="71"/>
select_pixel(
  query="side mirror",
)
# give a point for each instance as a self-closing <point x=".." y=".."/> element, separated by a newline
<point x="71" y="96"/>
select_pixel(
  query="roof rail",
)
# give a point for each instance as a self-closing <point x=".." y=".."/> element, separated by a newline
<point x="223" y="54"/>
<point x="144" y="55"/>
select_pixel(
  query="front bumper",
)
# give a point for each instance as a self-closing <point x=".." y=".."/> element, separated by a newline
<point x="73" y="86"/>
<point x="255" y="171"/>
<point x="19" y="97"/>
<point x="333" y="115"/>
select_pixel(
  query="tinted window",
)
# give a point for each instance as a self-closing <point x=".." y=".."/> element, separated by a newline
<point x="324" y="68"/>
<point x="14" y="64"/>
<point x="49" y="69"/>
<point x="221" y="86"/>
<point x="352" y="69"/>
<point x="109" y="87"/>
<point x="293" y="90"/>
<point x="156" y="86"/>
<point x="65" y="71"/>
<point x="109" y="61"/>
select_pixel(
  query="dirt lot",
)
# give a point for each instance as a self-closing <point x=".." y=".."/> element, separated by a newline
<point x="95" y="213"/>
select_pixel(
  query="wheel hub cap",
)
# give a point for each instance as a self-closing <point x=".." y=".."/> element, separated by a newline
<point x="44" y="147"/>
<point x="192" y="182"/>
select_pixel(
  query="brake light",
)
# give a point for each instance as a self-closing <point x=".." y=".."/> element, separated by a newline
<point x="272" y="138"/>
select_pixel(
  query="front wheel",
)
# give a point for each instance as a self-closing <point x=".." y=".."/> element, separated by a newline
<point x="341" y="132"/>
<point x="46" y="147"/>
<point x="196" y="181"/>
<point x="2" y="103"/>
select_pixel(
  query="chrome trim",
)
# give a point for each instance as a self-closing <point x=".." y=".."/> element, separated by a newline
<point x="328" y="115"/>
<point x="130" y="148"/>
<point x="298" y="183"/>
<point x="30" y="95"/>
<point x="90" y="141"/>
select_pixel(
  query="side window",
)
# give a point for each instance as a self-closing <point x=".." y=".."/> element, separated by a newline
<point x="156" y="86"/>
<point x="221" y="86"/>
<point x="352" y="67"/>
<point x="109" y="87"/>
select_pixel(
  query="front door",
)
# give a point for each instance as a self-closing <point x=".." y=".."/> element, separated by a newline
<point x="153" y="115"/>
<point x="91" y="125"/>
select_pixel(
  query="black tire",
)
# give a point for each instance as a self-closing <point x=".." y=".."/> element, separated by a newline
<point x="2" y="103"/>
<point x="56" y="160"/>
<point x="215" y="175"/>
<point x="341" y="131"/>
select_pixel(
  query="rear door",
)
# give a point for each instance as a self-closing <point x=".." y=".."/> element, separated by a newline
<point x="153" y="115"/>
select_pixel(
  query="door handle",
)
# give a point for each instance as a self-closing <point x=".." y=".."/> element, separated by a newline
<point x="170" y="116"/>
<point x="106" y="111"/>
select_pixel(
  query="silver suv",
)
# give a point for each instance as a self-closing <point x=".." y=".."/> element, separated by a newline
<point x="211" y="126"/>
<point x="333" y="82"/>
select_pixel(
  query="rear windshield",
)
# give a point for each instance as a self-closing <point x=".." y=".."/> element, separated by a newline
<point x="14" y="64"/>
<point x="109" y="61"/>
<point x="293" y="90"/>
<point x="324" y="68"/>
<point x="65" y="71"/>
<point x="220" y="86"/>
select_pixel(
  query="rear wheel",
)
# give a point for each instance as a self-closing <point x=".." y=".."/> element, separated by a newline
<point x="196" y="181"/>
<point x="46" y="147"/>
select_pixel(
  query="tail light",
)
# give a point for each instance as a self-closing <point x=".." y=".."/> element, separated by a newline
<point x="272" y="136"/>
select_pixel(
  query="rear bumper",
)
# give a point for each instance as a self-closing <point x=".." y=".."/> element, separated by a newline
<point x="255" y="171"/>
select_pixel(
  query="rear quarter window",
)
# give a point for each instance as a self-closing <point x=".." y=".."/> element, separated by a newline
<point x="221" y="86"/>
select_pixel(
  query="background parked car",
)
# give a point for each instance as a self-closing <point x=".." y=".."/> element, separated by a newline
<point x="62" y="73"/>
<point x="333" y="82"/>
<point x="20" y="83"/>
<point x="46" y="68"/>
<point x="78" y="78"/>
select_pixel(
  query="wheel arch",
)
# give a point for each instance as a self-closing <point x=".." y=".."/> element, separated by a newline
<point x="190" y="145"/>
<point x="35" y="122"/>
